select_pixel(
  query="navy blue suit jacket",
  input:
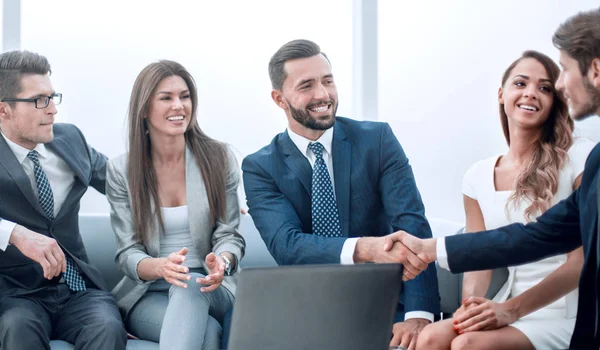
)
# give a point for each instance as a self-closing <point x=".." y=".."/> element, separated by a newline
<point x="375" y="191"/>
<point x="564" y="227"/>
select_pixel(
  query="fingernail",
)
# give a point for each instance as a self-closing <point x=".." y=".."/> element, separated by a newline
<point x="208" y="278"/>
<point x="460" y="332"/>
<point x="464" y="300"/>
<point x="455" y="329"/>
<point x="455" y="322"/>
<point x="188" y="277"/>
<point x="185" y="286"/>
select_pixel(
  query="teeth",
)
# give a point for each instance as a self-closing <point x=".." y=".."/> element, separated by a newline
<point x="319" y="109"/>
<point x="176" y="117"/>
<point x="529" y="108"/>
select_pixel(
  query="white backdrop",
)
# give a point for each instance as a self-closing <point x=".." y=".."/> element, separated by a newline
<point x="96" y="52"/>
<point x="440" y="65"/>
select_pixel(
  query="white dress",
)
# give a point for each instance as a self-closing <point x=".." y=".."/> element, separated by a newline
<point x="552" y="326"/>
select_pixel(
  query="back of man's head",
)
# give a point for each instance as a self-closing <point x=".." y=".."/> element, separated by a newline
<point x="293" y="50"/>
<point x="579" y="37"/>
<point x="15" y="64"/>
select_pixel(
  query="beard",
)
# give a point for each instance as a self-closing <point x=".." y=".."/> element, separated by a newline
<point x="592" y="106"/>
<point x="303" y="117"/>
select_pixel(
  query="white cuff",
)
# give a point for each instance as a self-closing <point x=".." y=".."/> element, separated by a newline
<point x="347" y="255"/>
<point x="6" y="229"/>
<point x="419" y="314"/>
<point x="442" y="255"/>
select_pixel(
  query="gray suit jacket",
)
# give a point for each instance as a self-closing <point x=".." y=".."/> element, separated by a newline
<point x="18" y="203"/>
<point x="221" y="237"/>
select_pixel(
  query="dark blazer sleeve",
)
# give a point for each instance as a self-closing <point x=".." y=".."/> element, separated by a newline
<point x="279" y="225"/>
<point x="557" y="231"/>
<point x="405" y="211"/>
<point x="97" y="166"/>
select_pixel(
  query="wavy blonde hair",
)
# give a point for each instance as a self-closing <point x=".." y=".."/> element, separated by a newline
<point x="539" y="181"/>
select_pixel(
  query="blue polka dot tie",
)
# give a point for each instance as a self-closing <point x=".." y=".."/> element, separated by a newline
<point x="325" y="216"/>
<point x="46" y="199"/>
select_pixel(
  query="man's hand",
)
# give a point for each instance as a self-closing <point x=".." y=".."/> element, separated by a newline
<point x="41" y="249"/>
<point x="405" y="333"/>
<point x="216" y="272"/>
<point x="370" y="249"/>
<point x="410" y="246"/>
<point x="172" y="270"/>
<point x="424" y="248"/>
<point x="481" y="314"/>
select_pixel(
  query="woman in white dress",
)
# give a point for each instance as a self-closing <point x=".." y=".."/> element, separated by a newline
<point x="536" y="308"/>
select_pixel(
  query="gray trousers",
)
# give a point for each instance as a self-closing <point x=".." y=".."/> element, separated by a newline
<point x="89" y="319"/>
<point x="180" y="318"/>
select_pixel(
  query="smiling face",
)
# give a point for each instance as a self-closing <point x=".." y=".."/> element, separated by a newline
<point x="170" y="108"/>
<point x="24" y="124"/>
<point x="308" y="95"/>
<point x="582" y="92"/>
<point x="527" y="95"/>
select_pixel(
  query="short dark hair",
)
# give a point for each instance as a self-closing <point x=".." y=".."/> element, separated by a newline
<point x="300" y="48"/>
<point x="15" y="64"/>
<point x="579" y="37"/>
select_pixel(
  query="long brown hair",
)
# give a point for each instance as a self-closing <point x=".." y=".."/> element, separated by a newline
<point x="211" y="155"/>
<point x="539" y="181"/>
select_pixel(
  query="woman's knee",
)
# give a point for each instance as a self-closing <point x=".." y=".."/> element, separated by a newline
<point x="469" y="340"/>
<point x="432" y="337"/>
<point x="193" y="287"/>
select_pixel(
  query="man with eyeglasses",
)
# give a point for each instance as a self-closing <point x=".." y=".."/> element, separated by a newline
<point x="48" y="289"/>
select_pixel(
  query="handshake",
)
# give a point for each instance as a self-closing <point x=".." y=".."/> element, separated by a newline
<point x="398" y="247"/>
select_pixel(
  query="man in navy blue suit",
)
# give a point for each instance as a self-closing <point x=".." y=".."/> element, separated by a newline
<point x="328" y="189"/>
<point x="564" y="227"/>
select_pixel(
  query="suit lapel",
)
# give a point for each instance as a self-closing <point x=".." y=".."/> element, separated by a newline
<point x="16" y="172"/>
<point x="63" y="150"/>
<point x="342" y="159"/>
<point x="296" y="161"/>
<point x="597" y="248"/>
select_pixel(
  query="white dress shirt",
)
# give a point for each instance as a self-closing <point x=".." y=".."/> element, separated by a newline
<point x="347" y="254"/>
<point x="59" y="174"/>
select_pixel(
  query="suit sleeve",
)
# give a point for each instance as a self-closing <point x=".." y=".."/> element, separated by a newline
<point x="279" y="225"/>
<point x="226" y="236"/>
<point x="98" y="163"/>
<point x="129" y="251"/>
<point x="557" y="231"/>
<point x="405" y="211"/>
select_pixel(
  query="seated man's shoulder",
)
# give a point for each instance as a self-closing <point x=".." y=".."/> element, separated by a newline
<point x="361" y="127"/>
<point x="65" y="129"/>
<point x="264" y="154"/>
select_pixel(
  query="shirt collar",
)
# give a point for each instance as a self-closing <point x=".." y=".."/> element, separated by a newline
<point x="302" y="142"/>
<point x="21" y="152"/>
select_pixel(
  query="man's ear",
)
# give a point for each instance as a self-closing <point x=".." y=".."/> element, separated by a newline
<point x="5" y="111"/>
<point x="277" y="97"/>
<point x="594" y="72"/>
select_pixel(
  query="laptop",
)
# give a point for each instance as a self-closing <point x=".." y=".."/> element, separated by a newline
<point x="349" y="307"/>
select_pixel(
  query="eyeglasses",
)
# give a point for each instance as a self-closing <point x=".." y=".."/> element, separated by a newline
<point x="40" y="102"/>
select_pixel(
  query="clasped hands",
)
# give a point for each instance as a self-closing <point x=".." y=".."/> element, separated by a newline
<point x="412" y="252"/>
<point x="481" y="314"/>
<point x="174" y="272"/>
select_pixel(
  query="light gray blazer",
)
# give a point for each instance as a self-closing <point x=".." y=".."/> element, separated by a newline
<point x="221" y="237"/>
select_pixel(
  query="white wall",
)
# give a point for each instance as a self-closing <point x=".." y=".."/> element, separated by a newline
<point x="96" y="52"/>
<point x="440" y="66"/>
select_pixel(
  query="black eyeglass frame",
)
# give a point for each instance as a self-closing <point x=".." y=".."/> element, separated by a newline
<point x="37" y="100"/>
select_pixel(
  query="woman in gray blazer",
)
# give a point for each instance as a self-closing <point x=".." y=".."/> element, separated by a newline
<point x="175" y="212"/>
